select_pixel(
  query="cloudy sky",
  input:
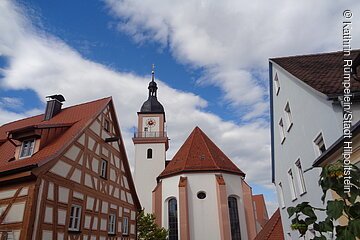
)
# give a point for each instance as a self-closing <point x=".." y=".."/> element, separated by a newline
<point x="211" y="62"/>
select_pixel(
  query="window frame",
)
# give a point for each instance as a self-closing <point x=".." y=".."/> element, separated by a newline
<point x="173" y="221"/>
<point x="149" y="153"/>
<point x="281" y="193"/>
<point x="104" y="172"/>
<point x="292" y="184"/>
<point x="282" y="131"/>
<point x="125" y="227"/>
<point x="276" y="84"/>
<point x="288" y="114"/>
<point x="72" y="227"/>
<point x="317" y="142"/>
<point x="30" y="152"/>
<point x="112" y="223"/>
<point x="301" y="179"/>
<point x="234" y="219"/>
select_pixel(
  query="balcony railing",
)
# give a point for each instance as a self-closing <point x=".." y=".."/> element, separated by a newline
<point x="149" y="134"/>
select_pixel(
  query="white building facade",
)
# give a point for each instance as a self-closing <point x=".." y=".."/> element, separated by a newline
<point x="306" y="118"/>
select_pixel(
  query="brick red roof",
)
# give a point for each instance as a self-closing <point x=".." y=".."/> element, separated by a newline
<point x="273" y="229"/>
<point x="76" y="118"/>
<point x="199" y="153"/>
<point x="323" y="72"/>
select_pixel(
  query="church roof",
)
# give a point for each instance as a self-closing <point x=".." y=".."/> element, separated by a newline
<point x="152" y="105"/>
<point x="323" y="72"/>
<point x="199" y="154"/>
<point x="273" y="229"/>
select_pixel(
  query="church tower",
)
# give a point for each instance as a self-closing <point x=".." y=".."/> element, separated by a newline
<point x="151" y="144"/>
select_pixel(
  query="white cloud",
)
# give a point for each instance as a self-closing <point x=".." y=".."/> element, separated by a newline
<point x="46" y="65"/>
<point x="232" y="40"/>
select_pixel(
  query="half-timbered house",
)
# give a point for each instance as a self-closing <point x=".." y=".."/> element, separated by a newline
<point x="65" y="175"/>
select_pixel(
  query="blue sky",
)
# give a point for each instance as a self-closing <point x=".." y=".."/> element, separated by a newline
<point x="211" y="62"/>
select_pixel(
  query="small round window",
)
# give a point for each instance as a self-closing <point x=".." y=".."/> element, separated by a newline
<point x="201" y="195"/>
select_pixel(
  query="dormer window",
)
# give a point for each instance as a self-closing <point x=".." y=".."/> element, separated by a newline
<point x="27" y="148"/>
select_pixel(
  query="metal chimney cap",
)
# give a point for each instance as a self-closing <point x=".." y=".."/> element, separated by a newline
<point x="58" y="97"/>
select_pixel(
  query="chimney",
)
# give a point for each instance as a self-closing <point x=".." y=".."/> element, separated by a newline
<point x="53" y="106"/>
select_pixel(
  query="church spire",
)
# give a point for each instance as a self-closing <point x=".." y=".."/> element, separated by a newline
<point x="152" y="85"/>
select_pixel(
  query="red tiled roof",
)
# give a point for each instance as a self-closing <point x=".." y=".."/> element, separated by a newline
<point x="273" y="229"/>
<point x="261" y="212"/>
<point x="199" y="153"/>
<point x="323" y="72"/>
<point x="75" y="117"/>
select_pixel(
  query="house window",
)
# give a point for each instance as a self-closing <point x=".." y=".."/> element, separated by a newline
<point x="149" y="153"/>
<point x="292" y="184"/>
<point x="281" y="193"/>
<point x="103" y="170"/>
<point x="319" y="143"/>
<point x="173" y="219"/>
<point x="276" y="84"/>
<point x="112" y="224"/>
<point x="282" y="131"/>
<point x="300" y="177"/>
<point x="27" y="148"/>
<point x="75" y="218"/>
<point x="107" y="125"/>
<point x="234" y="219"/>
<point x="125" y="226"/>
<point x="289" y="122"/>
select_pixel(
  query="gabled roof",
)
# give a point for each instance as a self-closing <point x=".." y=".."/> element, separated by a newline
<point x="75" y="118"/>
<point x="273" y="229"/>
<point x="199" y="154"/>
<point x="323" y="72"/>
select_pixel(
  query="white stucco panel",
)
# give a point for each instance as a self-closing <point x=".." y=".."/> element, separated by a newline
<point x="15" y="214"/>
<point x="61" y="216"/>
<point x="24" y="191"/>
<point x="48" y="215"/>
<point x="103" y="224"/>
<point x="63" y="195"/>
<point x="89" y="203"/>
<point x="61" y="168"/>
<point x="95" y="127"/>
<point x="72" y="153"/>
<point x="47" y="235"/>
<point x="50" y="193"/>
<point x="76" y="176"/>
<point x="7" y="194"/>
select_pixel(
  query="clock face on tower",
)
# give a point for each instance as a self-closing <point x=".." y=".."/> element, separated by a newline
<point x="150" y="122"/>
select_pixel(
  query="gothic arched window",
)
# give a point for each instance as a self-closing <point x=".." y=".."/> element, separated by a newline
<point x="149" y="153"/>
<point x="234" y="219"/>
<point x="173" y="219"/>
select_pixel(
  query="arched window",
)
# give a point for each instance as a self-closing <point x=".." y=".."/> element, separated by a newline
<point x="173" y="219"/>
<point x="234" y="219"/>
<point x="149" y="153"/>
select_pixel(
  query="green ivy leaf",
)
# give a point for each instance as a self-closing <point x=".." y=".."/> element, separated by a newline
<point x="291" y="211"/>
<point x="354" y="227"/>
<point x="354" y="211"/>
<point x="335" y="208"/>
<point x="308" y="211"/>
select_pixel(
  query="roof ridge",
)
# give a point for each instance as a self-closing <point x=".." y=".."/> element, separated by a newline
<point x="187" y="155"/>
<point x="313" y="54"/>
<point x="38" y="115"/>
